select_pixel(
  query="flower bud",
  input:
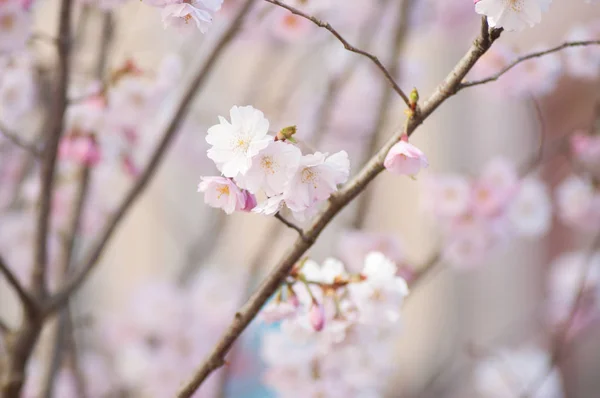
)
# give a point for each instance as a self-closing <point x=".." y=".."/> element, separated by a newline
<point x="317" y="316"/>
<point x="249" y="201"/>
<point x="286" y="133"/>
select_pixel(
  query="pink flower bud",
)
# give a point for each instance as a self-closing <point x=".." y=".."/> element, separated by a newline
<point x="317" y="316"/>
<point x="249" y="201"/>
<point x="406" y="159"/>
<point x="85" y="151"/>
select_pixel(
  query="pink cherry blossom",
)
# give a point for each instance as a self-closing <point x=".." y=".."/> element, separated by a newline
<point x="222" y="193"/>
<point x="15" y="26"/>
<point x="405" y="159"/>
<point x="316" y="179"/>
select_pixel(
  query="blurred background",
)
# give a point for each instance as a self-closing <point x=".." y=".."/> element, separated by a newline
<point x="177" y="269"/>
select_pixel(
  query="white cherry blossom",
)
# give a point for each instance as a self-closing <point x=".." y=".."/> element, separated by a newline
<point x="235" y="143"/>
<point x="512" y="14"/>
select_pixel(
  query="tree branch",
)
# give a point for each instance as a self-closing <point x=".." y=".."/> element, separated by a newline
<point x="95" y="253"/>
<point x="325" y="25"/>
<point x="51" y="149"/>
<point x="17" y="141"/>
<point x="28" y="302"/>
<point x="290" y="224"/>
<point x="528" y="57"/>
<point x="246" y="314"/>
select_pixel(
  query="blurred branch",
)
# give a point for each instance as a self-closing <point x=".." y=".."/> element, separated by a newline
<point x="560" y="340"/>
<point x="525" y="58"/>
<point x="337" y="202"/>
<point x="4" y="328"/>
<point x="28" y="302"/>
<point x="169" y="134"/>
<point x="325" y="25"/>
<point x="16" y="140"/>
<point x="55" y="123"/>
<point x="202" y="247"/>
<point x="384" y="106"/>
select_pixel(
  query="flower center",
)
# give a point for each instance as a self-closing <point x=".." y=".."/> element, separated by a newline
<point x="241" y="144"/>
<point x="268" y="164"/>
<point x="187" y="18"/>
<point x="223" y="190"/>
<point x="516" y="5"/>
<point x="309" y="176"/>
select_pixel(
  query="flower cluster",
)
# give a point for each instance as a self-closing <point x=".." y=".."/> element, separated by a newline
<point x="158" y="337"/>
<point x="255" y="163"/>
<point x="476" y="214"/>
<point x="333" y="324"/>
<point x="187" y="14"/>
<point x="108" y="123"/>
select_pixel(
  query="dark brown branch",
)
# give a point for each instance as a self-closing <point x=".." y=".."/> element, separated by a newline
<point x="325" y="25"/>
<point x="290" y="224"/>
<point x="169" y="134"/>
<point x="56" y="122"/>
<point x="528" y="57"/>
<point x="28" y="302"/>
<point x="246" y="314"/>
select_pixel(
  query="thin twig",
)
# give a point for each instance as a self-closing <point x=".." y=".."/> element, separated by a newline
<point x="325" y="25"/>
<point x="384" y="106"/>
<point x="246" y="314"/>
<point x="28" y="302"/>
<point x="290" y="224"/>
<point x="168" y="136"/>
<point x="528" y="57"/>
<point x="17" y="141"/>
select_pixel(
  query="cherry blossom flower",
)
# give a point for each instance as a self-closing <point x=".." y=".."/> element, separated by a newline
<point x="200" y="12"/>
<point x="382" y="292"/>
<point x="81" y="149"/>
<point x="530" y="212"/>
<point x="510" y="373"/>
<point x="316" y="178"/>
<point x="586" y="148"/>
<point x="447" y="196"/>
<point x="222" y="193"/>
<point x="15" y="26"/>
<point x="272" y="168"/>
<point x="578" y="202"/>
<point x="405" y="159"/>
<point x="512" y="14"/>
<point x="235" y="144"/>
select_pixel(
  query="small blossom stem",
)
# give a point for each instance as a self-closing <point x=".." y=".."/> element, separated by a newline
<point x="290" y="224"/>
<point x="325" y="25"/>
<point x="528" y="57"/>
<point x="273" y="281"/>
<point x="384" y="106"/>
